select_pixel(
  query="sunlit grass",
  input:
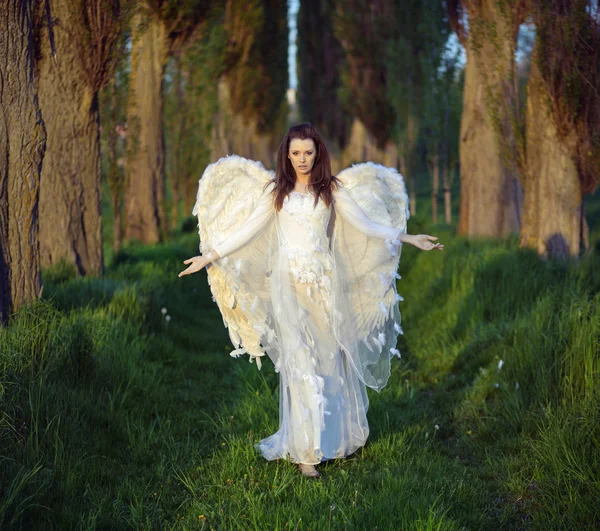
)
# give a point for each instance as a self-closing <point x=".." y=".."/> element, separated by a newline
<point x="113" y="417"/>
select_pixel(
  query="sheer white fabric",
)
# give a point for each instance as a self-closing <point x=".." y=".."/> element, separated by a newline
<point x="313" y="287"/>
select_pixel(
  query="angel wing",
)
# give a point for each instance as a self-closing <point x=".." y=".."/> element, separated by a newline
<point x="370" y="319"/>
<point x="229" y="192"/>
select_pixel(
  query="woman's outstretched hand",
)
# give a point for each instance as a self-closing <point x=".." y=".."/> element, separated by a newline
<point x="196" y="264"/>
<point x="426" y="242"/>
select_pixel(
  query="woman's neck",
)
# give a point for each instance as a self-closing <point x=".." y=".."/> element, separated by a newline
<point x="302" y="182"/>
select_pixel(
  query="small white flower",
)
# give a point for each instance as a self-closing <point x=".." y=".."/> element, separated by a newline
<point x="163" y="311"/>
<point x="436" y="427"/>
<point x="496" y="385"/>
<point x="500" y="364"/>
<point x="167" y="318"/>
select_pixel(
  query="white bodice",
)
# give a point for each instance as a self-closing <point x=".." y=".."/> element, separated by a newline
<point x="305" y="241"/>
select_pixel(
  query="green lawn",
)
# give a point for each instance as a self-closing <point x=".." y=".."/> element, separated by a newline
<point x="114" y="418"/>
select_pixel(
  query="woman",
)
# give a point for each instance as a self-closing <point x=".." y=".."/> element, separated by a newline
<point x="303" y="267"/>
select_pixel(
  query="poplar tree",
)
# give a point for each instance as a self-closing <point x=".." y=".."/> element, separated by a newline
<point x="320" y="62"/>
<point x="75" y="59"/>
<point x="490" y="193"/>
<point x="562" y="126"/>
<point x="22" y="145"/>
<point x="159" y="27"/>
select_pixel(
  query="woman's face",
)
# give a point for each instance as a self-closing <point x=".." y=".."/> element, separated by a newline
<point x="302" y="154"/>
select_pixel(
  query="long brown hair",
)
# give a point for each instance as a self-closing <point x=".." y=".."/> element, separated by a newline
<point x="321" y="181"/>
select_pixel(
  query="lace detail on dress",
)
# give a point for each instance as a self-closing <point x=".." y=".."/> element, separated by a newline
<point x="310" y="259"/>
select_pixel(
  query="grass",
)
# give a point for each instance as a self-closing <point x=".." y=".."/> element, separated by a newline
<point x="114" y="418"/>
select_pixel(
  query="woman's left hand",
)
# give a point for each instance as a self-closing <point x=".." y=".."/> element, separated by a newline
<point x="426" y="242"/>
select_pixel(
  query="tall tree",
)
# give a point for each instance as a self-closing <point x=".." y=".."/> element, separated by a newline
<point x="22" y="145"/>
<point x="252" y="105"/>
<point x="320" y="60"/>
<point x="563" y="126"/>
<point x="190" y="105"/>
<point x="490" y="192"/>
<point x="75" y="59"/>
<point x="414" y="56"/>
<point x="441" y="121"/>
<point x="159" y="27"/>
<point x="364" y="29"/>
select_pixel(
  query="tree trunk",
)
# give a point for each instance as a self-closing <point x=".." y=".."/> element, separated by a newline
<point x="70" y="196"/>
<point x="489" y="191"/>
<point x="145" y="191"/>
<point x="553" y="221"/>
<point x="232" y="134"/>
<point x="447" y="195"/>
<point x="22" y="144"/>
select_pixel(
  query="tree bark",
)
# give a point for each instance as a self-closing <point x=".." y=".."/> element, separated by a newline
<point x="145" y="191"/>
<point x="489" y="191"/>
<point x="70" y="194"/>
<point x="553" y="214"/>
<point x="22" y="144"/>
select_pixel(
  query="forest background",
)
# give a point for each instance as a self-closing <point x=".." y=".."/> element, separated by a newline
<point x="119" y="405"/>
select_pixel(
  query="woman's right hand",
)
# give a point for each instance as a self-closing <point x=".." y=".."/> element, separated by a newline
<point x="196" y="264"/>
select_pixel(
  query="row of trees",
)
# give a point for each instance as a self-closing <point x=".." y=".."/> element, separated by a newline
<point x="552" y="149"/>
<point x="65" y="62"/>
<point x="385" y="88"/>
<point x="147" y="92"/>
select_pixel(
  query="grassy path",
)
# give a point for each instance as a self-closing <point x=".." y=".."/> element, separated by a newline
<point x="114" y="418"/>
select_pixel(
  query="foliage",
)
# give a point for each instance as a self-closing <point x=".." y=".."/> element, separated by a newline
<point x="191" y="101"/>
<point x="113" y="118"/>
<point x="413" y="61"/>
<point x="441" y="115"/>
<point x="183" y="20"/>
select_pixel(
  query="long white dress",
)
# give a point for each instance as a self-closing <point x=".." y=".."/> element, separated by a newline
<point x="294" y="284"/>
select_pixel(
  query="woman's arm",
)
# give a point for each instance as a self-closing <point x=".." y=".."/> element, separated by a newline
<point x="350" y="210"/>
<point x="353" y="214"/>
<point x="256" y="222"/>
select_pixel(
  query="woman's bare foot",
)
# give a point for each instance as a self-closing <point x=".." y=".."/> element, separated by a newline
<point x="308" y="470"/>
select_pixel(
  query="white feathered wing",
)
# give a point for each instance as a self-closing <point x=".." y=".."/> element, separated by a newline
<point x="228" y="193"/>
<point x="368" y="322"/>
